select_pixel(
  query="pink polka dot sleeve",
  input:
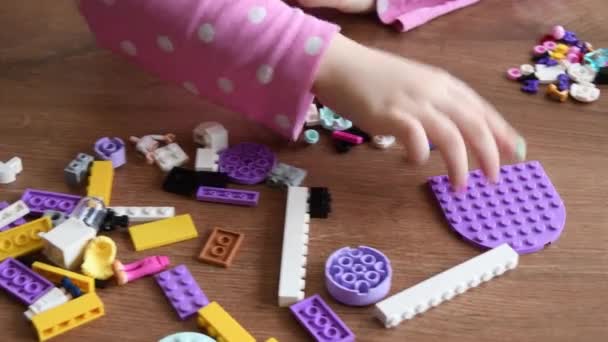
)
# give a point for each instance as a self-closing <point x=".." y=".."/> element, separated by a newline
<point x="409" y="14"/>
<point x="256" y="57"/>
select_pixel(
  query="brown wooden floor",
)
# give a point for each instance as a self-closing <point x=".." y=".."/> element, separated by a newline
<point x="59" y="93"/>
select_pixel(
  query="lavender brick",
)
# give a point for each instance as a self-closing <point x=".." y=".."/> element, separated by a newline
<point x="229" y="196"/>
<point x="21" y="282"/>
<point x="182" y="291"/>
<point x="320" y="321"/>
<point x="38" y="201"/>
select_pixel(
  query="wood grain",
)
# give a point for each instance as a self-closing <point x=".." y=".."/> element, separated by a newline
<point x="59" y="93"/>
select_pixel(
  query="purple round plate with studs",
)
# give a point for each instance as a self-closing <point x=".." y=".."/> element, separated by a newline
<point x="247" y="163"/>
<point x="523" y="209"/>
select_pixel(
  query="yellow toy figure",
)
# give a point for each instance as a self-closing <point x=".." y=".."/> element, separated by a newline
<point x="98" y="258"/>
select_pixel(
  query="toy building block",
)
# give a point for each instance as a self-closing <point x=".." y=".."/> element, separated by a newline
<point x="359" y="132"/>
<point x="384" y="141"/>
<point x="320" y="321"/>
<point x="56" y="217"/>
<point x="212" y="135"/>
<point x="221" y="247"/>
<point x="170" y="156"/>
<point x="345" y="136"/>
<point x="126" y="273"/>
<point x="78" y="169"/>
<point x="358" y="276"/>
<point x="12" y="213"/>
<point x="523" y="209"/>
<point x="247" y="163"/>
<point x="444" y="286"/>
<point x="319" y="202"/>
<point x="16" y="223"/>
<point x="187" y="336"/>
<point x="101" y="181"/>
<point x="64" y="245"/>
<point x="272" y="339"/>
<point x="219" y="324"/>
<point x="68" y="316"/>
<point x="285" y="175"/>
<point x="10" y="170"/>
<point x="163" y="232"/>
<point x="21" y="282"/>
<point x="38" y="201"/>
<point x="295" y="247"/>
<point x="91" y="211"/>
<point x="49" y="300"/>
<point x="186" y="182"/>
<point x="112" y="149"/>
<point x="206" y="160"/>
<point x="229" y="196"/>
<point x="99" y="256"/>
<point x="332" y="121"/>
<point x="182" y="291"/>
<point x="23" y="239"/>
<point x="112" y="221"/>
<point x="56" y="274"/>
<point x="312" y="116"/>
<point x="144" y="214"/>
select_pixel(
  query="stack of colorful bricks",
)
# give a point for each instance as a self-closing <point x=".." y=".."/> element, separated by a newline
<point x="570" y="67"/>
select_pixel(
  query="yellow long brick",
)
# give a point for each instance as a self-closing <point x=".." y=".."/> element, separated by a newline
<point x="23" y="239"/>
<point x="219" y="324"/>
<point x="68" y="316"/>
<point x="163" y="232"/>
<point x="55" y="274"/>
<point x="101" y="181"/>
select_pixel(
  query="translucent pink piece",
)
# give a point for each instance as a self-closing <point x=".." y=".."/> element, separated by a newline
<point x="523" y="209"/>
<point x="558" y="32"/>
<point x="539" y="50"/>
<point x="513" y="74"/>
<point x="408" y="14"/>
<point x="573" y="58"/>
<point x="145" y="266"/>
<point x="344" y="136"/>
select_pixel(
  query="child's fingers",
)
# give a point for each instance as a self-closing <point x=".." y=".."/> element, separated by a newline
<point x="471" y="121"/>
<point x="446" y="136"/>
<point x="348" y="6"/>
<point x="412" y="134"/>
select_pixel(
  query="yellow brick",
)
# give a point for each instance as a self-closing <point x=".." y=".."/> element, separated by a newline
<point x="68" y="316"/>
<point x="23" y="239"/>
<point x="163" y="232"/>
<point x="272" y="339"/>
<point x="101" y="180"/>
<point x="221" y="325"/>
<point x="561" y="48"/>
<point x="55" y="274"/>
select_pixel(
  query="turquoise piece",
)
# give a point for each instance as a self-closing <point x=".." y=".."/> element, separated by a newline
<point x="187" y="337"/>
<point x="597" y="59"/>
<point x="311" y="136"/>
<point x="332" y="121"/>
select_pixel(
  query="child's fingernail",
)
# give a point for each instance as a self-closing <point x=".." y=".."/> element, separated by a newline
<point x="520" y="149"/>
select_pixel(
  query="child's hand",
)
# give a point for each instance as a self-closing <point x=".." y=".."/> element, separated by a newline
<point x="348" y="6"/>
<point x="386" y="94"/>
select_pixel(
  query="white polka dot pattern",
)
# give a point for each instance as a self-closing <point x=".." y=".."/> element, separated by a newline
<point x="282" y="121"/>
<point x="257" y="14"/>
<point x="265" y="73"/>
<point x="191" y="87"/>
<point x="313" y="45"/>
<point x="206" y="33"/>
<point x="128" y="47"/>
<point x="225" y="85"/>
<point x="164" y="43"/>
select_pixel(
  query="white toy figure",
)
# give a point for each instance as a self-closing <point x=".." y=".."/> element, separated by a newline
<point x="10" y="170"/>
<point x="147" y="144"/>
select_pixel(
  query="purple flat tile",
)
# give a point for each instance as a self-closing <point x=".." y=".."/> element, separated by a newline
<point x="228" y="196"/>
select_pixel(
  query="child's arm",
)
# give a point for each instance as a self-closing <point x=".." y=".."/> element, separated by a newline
<point x="263" y="58"/>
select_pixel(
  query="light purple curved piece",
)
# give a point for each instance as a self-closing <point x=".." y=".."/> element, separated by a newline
<point x="112" y="149"/>
<point x="358" y="276"/>
<point x="523" y="209"/>
<point x="247" y="163"/>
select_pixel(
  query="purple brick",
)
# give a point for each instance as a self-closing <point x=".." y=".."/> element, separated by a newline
<point x="182" y="291"/>
<point x="358" y="276"/>
<point x="112" y="149"/>
<point x="530" y="86"/>
<point x="320" y="321"/>
<point x="38" y="201"/>
<point x="247" y="163"/>
<point x="15" y="223"/>
<point x="523" y="209"/>
<point x="229" y="196"/>
<point x="23" y="283"/>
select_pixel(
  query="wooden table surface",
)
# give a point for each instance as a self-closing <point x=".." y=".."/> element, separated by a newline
<point x="59" y="93"/>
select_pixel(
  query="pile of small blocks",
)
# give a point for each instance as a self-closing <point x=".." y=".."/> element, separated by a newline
<point x="570" y="67"/>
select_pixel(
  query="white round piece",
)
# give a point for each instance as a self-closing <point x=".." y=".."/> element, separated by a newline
<point x="527" y="69"/>
<point x="584" y="92"/>
<point x="548" y="74"/>
<point x="384" y="141"/>
<point x="581" y="73"/>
